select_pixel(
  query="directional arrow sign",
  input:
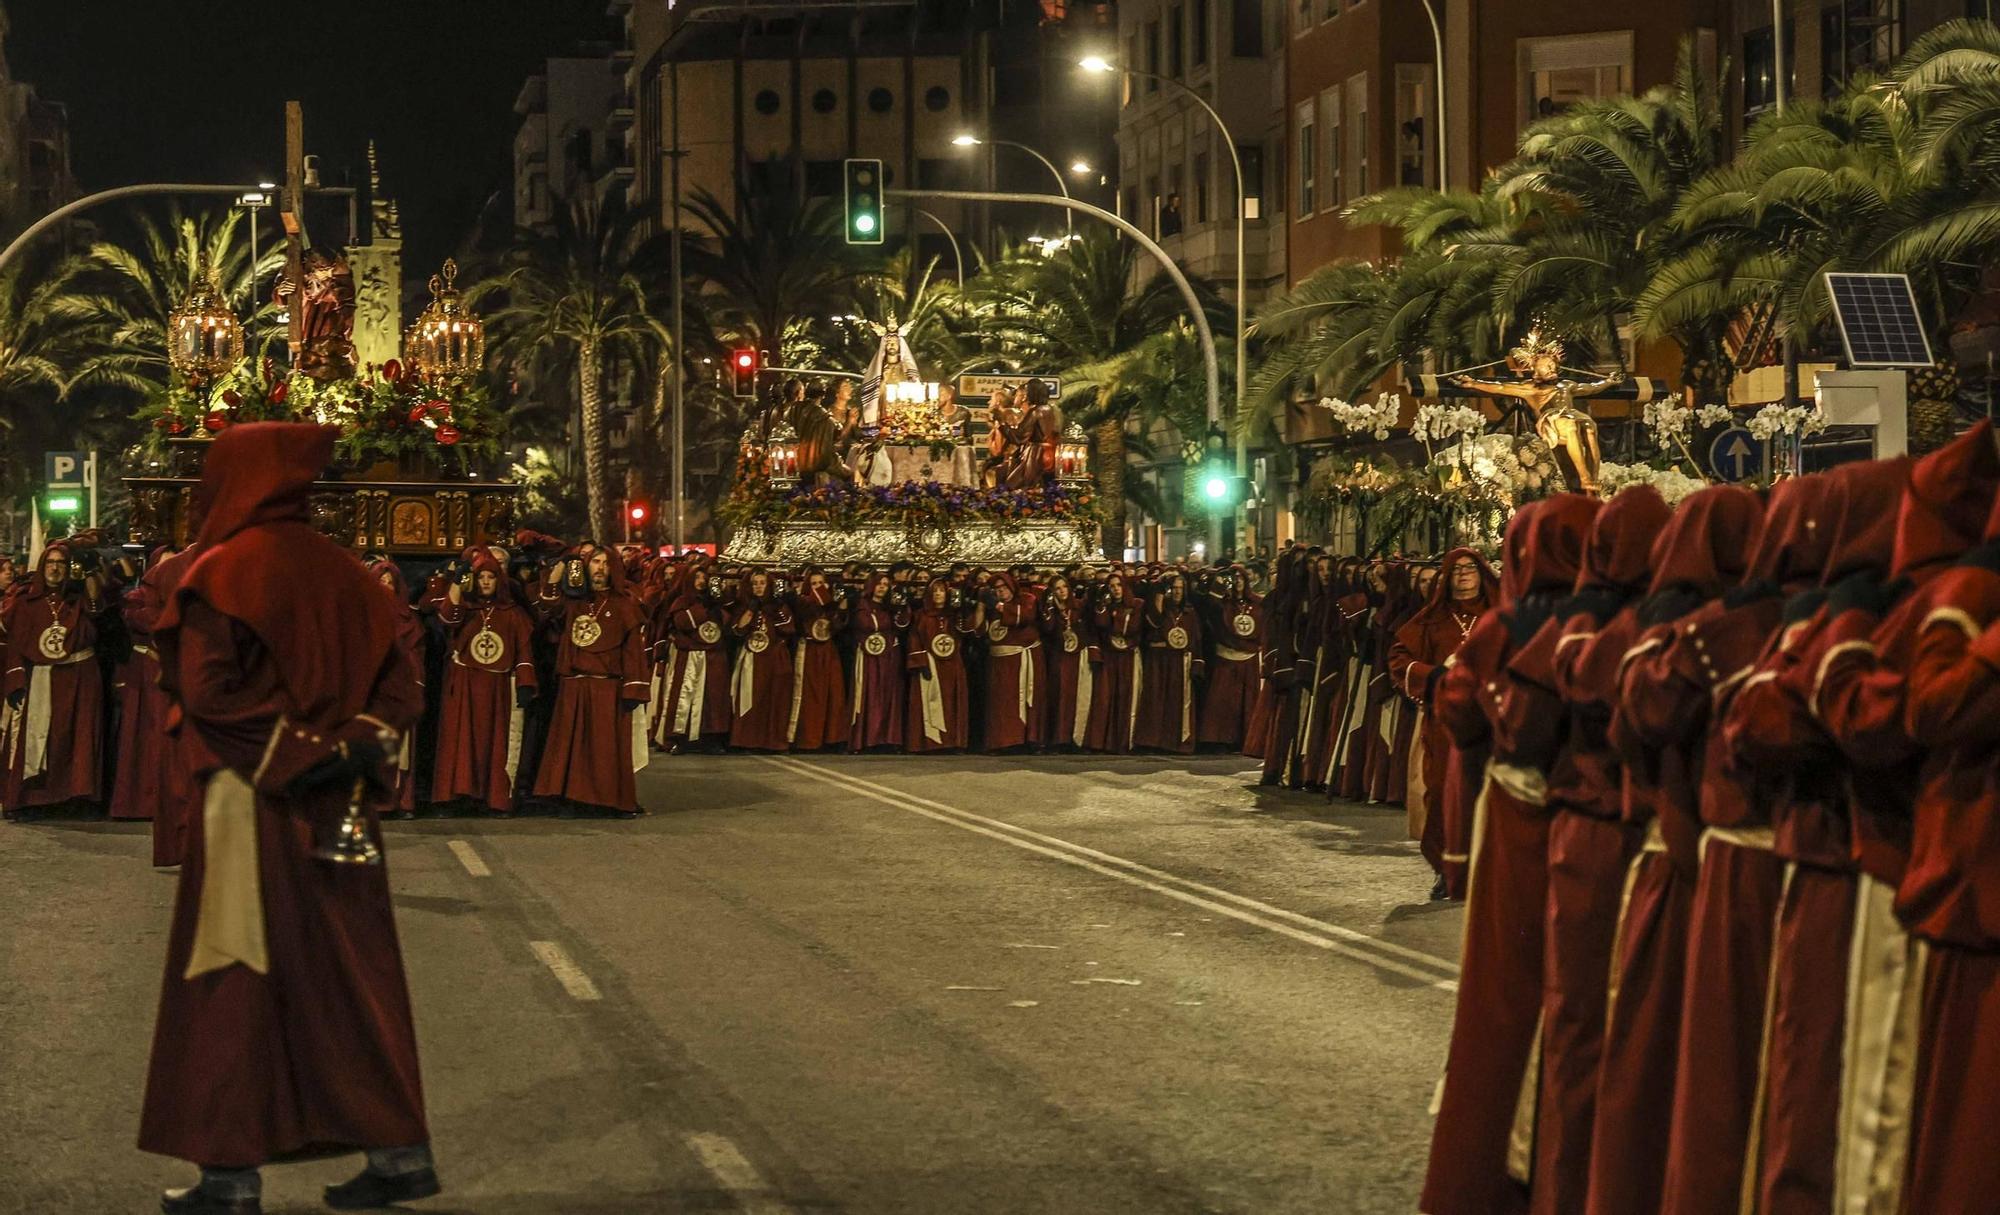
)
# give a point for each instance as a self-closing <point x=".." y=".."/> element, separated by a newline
<point x="1736" y="455"/>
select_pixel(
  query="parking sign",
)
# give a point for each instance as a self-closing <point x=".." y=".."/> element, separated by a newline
<point x="63" y="469"/>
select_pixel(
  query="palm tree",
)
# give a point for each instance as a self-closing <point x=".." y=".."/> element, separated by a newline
<point x="1070" y="314"/>
<point x="578" y="295"/>
<point x="775" y="273"/>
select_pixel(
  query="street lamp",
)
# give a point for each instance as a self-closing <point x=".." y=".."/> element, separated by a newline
<point x="1097" y="63"/>
<point x="1079" y="167"/>
<point x="1062" y="186"/>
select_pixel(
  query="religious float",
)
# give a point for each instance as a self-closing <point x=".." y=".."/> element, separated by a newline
<point x="417" y="432"/>
<point x="910" y="485"/>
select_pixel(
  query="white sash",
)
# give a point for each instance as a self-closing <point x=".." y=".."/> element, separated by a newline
<point x="36" y="738"/>
<point x="642" y="750"/>
<point x="690" y="705"/>
<point x="1187" y="697"/>
<point x="514" y="722"/>
<point x="1025" y="685"/>
<point x="860" y="682"/>
<point x="1080" y="726"/>
<point x="229" y="926"/>
<point x="798" y="689"/>
<point x="743" y="689"/>
<point x="934" y="722"/>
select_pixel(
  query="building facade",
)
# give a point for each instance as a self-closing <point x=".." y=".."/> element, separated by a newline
<point x="570" y="141"/>
<point x="36" y="175"/>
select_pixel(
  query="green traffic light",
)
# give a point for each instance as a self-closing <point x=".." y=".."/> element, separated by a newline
<point x="864" y="224"/>
<point x="1216" y="488"/>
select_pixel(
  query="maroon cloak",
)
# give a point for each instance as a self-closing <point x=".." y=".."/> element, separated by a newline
<point x="281" y="650"/>
<point x="1230" y="701"/>
<point x="51" y="660"/>
<point x="761" y="681"/>
<point x="489" y="677"/>
<point x="1016" y="701"/>
<point x="694" y="701"/>
<point x="820" y="716"/>
<point x="590" y="754"/>
<point x="1070" y="645"/>
<point x="1171" y="674"/>
<point x="938" y="715"/>
<point x="876" y="631"/>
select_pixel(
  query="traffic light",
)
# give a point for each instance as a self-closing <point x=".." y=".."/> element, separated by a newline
<point x="743" y="371"/>
<point x="864" y="202"/>
<point x="638" y="513"/>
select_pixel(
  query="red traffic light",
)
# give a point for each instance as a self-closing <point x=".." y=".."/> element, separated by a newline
<point x="746" y="359"/>
<point x="743" y="371"/>
<point x="638" y="512"/>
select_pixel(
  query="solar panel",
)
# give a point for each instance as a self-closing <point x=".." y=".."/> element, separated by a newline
<point x="1878" y="319"/>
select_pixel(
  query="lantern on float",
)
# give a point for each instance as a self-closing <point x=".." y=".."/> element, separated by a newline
<point x="447" y="339"/>
<point x="204" y="338"/>
<point x="1073" y="455"/>
<point x="781" y="456"/>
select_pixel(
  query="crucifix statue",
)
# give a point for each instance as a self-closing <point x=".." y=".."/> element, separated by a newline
<point x="1569" y="431"/>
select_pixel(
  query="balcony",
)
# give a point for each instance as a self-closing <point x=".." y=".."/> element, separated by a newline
<point x="620" y="118"/>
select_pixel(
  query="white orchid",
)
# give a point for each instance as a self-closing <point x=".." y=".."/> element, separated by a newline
<point x="1437" y="422"/>
<point x="1377" y="419"/>
<point x="1778" y="421"/>
<point x="1672" y="483"/>
<point x="1715" y="415"/>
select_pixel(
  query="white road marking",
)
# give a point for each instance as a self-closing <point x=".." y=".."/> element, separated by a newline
<point x="1024" y="1003"/>
<point x="1020" y="946"/>
<point x="1358" y="946"/>
<point x="567" y="972"/>
<point x="964" y="987"/>
<point x="470" y="859"/>
<point x="739" y="1180"/>
<point x="1119" y="982"/>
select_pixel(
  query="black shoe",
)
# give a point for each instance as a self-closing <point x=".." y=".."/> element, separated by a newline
<point x="196" y="1201"/>
<point x="1439" y="891"/>
<point x="628" y="814"/>
<point x="371" y="1190"/>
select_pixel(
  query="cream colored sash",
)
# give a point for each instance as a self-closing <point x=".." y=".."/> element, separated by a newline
<point x="860" y="682"/>
<point x="1080" y="718"/>
<point x="642" y="751"/>
<point x="1138" y="683"/>
<point x="798" y="690"/>
<point x="1187" y="697"/>
<point x="934" y="723"/>
<point x="1416" y="805"/>
<point x="515" y="720"/>
<point x="1885" y="979"/>
<point x="1025" y="685"/>
<point x="689" y="705"/>
<point x="36" y="757"/>
<point x="743" y="691"/>
<point x="229" y="927"/>
<point x="1525" y="785"/>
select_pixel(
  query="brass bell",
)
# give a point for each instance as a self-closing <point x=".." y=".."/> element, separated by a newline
<point x="351" y="843"/>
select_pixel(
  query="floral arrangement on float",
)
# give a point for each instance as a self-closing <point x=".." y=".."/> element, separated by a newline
<point x="391" y="413"/>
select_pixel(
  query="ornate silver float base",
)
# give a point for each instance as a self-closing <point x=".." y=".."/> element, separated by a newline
<point x="989" y="544"/>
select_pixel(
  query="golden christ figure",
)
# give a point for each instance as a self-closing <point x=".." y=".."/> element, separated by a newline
<point x="1570" y="432"/>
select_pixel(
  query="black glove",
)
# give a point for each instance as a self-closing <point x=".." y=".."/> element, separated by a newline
<point x="17" y="699"/>
<point x="630" y="705"/>
<point x="362" y="758"/>
<point x="1802" y="605"/>
<point x="1670" y="604"/>
<point x="1866" y="592"/>
<point x="1527" y="617"/>
<point x="1431" y="682"/>
<point x="1985" y="556"/>
<point x="523" y="697"/>
<point x="1749" y="592"/>
<point x="1599" y="603"/>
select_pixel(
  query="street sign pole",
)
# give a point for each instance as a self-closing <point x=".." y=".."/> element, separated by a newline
<point x="90" y="483"/>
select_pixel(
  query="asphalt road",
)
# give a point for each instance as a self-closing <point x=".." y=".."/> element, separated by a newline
<point x="828" y="983"/>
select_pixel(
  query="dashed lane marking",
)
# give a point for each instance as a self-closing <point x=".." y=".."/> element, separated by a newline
<point x="470" y="859"/>
<point x="566" y="971"/>
<point x="738" y="1178"/>
<point x="1357" y="946"/>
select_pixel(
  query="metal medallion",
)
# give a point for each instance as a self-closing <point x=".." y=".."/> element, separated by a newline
<point x="1245" y="624"/>
<point x="822" y="631"/>
<point x="996" y="632"/>
<point x="1177" y="637"/>
<point x="585" y="631"/>
<point x="55" y="642"/>
<point x="759" y="642"/>
<point x="486" y="648"/>
<point x="876" y="643"/>
<point x="1070" y="641"/>
<point x="1120" y="642"/>
<point x="944" y="645"/>
<point x="709" y="632"/>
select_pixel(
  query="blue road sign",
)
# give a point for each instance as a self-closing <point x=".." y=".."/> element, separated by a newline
<point x="1736" y="455"/>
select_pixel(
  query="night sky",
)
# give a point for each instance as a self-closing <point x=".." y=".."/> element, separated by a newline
<point x="176" y="90"/>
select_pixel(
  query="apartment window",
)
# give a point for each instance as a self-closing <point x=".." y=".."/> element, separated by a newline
<point x="1176" y="39"/>
<point x="1329" y="9"/>
<point x="1198" y="30"/>
<point x="1359" y="136"/>
<point x="1201" y="187"/>
<point x="1416" y="156"/>
<point x="1127" y="92"/>
<point x="1252" y="156"/>
<point x="1332" y="115"/>
<point x="1152" y="55"/>
<point x="1303" y="168"/>
<point x="1305" y="17"/>
<point x="1129" y="203"/>
<point x="1556" y="73"/>
<point x="1154" y="202"/>
<point x="1246" y="29"/>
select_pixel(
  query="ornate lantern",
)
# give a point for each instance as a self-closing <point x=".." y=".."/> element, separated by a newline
<point x="204" y="338"/>
<point x="781" y="456"/>
<point x="447" y="339"/>
<point x="1073" y="455"/>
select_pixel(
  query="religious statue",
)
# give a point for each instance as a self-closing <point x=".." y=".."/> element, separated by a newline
<point x="1569" y="431"/>
<point x="326" y="332"/>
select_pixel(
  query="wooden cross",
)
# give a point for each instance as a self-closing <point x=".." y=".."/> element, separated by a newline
<point x="292" y="214"/>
